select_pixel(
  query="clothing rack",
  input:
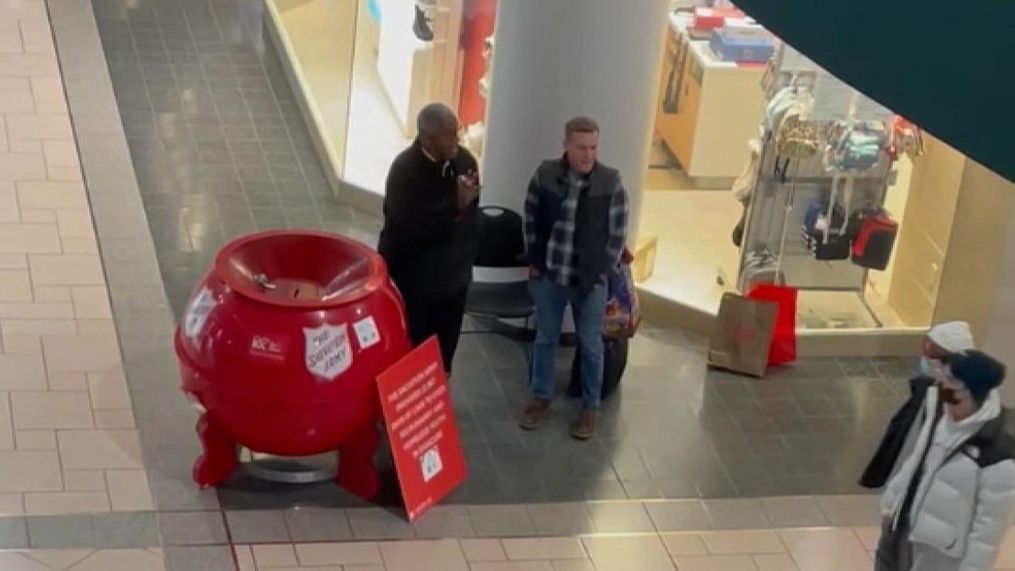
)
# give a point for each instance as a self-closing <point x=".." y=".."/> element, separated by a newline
<point x="779" y="202"/>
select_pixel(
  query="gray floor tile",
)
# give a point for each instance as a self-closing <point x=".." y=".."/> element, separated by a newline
<point x="13" y="533"/>
<point x="257" y="526"/>
<point x="379" y="523"/>
<point x="307" y="524"/>
<point x="627" y="517"/>
<point x="130" y="530"/>
<point x="192" y="528"/>
<point x="679" y="515"/>
<point x="60" y="532"/>
<point x="206" y="558"/>
<point x="502" y="521"/>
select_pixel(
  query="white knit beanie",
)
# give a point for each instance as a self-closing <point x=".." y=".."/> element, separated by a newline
<point x="954" y="336"/>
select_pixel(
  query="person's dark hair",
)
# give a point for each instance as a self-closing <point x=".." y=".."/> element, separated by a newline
<point x="978" y="371"/>
<point x="434" y="117"/>
<point x="580" y="125"/>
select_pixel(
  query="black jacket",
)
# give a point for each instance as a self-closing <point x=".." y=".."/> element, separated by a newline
<point x="428" y="244"/>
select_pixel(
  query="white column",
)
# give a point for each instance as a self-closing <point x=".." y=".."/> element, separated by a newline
<point x="555" y="59"/>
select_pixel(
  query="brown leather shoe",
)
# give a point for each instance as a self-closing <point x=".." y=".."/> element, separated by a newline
<point x="585" y="427"/>
<point x="534" y="414"/>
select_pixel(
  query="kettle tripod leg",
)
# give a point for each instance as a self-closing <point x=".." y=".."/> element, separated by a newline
<point x="356" y="470"/>
<point x="218" y="461"/>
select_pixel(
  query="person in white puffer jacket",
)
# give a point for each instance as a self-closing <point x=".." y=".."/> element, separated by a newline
<point x="948" y="505"/>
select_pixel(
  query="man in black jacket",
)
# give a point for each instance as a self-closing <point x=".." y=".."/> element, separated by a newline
<point x="429" y="234"/>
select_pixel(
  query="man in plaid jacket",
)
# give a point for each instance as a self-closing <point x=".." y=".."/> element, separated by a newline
<point x="576" y="213"/>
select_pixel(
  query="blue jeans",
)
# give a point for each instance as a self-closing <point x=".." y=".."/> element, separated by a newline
<point x="550" y="300"/>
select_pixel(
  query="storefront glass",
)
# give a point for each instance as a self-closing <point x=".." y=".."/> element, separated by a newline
<point x="365" y="68"/>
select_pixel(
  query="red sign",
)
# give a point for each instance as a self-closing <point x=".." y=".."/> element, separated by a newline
<point x="421" y="428"/>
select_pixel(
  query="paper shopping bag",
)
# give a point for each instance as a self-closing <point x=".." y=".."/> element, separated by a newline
<point x="743" y="334"/>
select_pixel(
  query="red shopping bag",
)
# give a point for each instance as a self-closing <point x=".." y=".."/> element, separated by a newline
<point x="783" y="348"/>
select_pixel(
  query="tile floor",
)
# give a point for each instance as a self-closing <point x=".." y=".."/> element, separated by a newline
<point x="68" y="442"/>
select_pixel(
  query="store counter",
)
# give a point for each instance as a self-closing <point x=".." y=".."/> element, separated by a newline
<point x="707" y="109"/>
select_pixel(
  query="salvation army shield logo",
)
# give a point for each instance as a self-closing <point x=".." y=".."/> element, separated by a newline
<point x="328" y="351"/>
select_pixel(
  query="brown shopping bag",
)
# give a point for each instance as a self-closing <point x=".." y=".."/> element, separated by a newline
<point x="743" y="334"/>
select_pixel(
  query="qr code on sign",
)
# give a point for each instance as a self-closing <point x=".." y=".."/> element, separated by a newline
<point x="430" y="463"/>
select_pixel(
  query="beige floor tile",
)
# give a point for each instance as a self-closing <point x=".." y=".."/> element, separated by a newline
<point x="868" y="536"/>
<point x="620" y="517"/>
<point x="275" y="555"/>
<point x="645" y="553"/>
<point x="679" y="543"/>
<point x="1006" y="555"/>
<point x="743" y="542"/>
<point x="443" y="554"/>
<point x="13" y="262"/>
<point x="39" y="327"/>
<point x="52" y="503"/>
<point x="36" y="311"/>
<point x="775" y="562"/>
<point x="20" y="562"/>
<point x="319" y="554"/>
<point x="715" y="563"/>
<point x="75" y="224"/>
<point x="96" y="327"/>
<point x="10" y="37"/>
<point x="16" y="101"/>
<point x="100" y="354"/>
<point x="15" y="166"/>
<point x="15" y="285"/>
<point x="52" y="195"/>
<point x="29" y="239"/>
<point x="22" y="373"/>
<point x="48" y="94"/>
<point x="825" y="549"/>
<point x="480" y="550"/>
<point x="64" y="173"/>
<point x="76" y="382"/>
<point x="84" y="481"/>
<point x="32" y="65"/>
<point x="129" y="490"/>
<point x="10" y="210"/>
<point x="111" y="419"/>
<point x="37" y="38"/>
<point x="51" y="410"/>
<point x="66" y="269"/>
<point x="544" y="548"/>
<point x="7" y="440"/>
<point x="61" y="153"/>
<point x="12" y="504"/>
<point x="91" y="302"/>
<point x="244" y="558"/>
<point x="21" y="344"/>
<point x="513" y="566"/>
<point x="30" y="471"/>
<point x="99" y="449"/>
<point x="38" y="216"/>
<point x="108" y="391"/>
<point x="793" y="512"/>
<point x="121" y="560"/>
<point x="36" y="439"/>
<point x="79" y="246"/>
<point x="59" y="559"/>
<point x="30" y="127"/>
<point x="52" y="294"/>
<point x="573" y="565"/>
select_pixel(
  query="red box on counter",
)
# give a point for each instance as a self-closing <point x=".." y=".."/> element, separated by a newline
<point x="712" y="18"/>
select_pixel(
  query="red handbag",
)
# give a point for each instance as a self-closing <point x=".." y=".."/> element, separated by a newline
<point x="783" y="349"/>
<point x="875" y="240"/>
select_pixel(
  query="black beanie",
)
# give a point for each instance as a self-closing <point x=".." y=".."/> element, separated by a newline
<point x="978" y="371"/>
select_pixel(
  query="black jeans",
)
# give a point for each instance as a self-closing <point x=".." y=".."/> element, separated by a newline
<point x="443" y="318"/>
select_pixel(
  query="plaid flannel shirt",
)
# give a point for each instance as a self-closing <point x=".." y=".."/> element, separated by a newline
<point x="560" y="252"/>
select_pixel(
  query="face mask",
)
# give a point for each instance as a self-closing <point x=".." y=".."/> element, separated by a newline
<point x="930" y="367"/>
